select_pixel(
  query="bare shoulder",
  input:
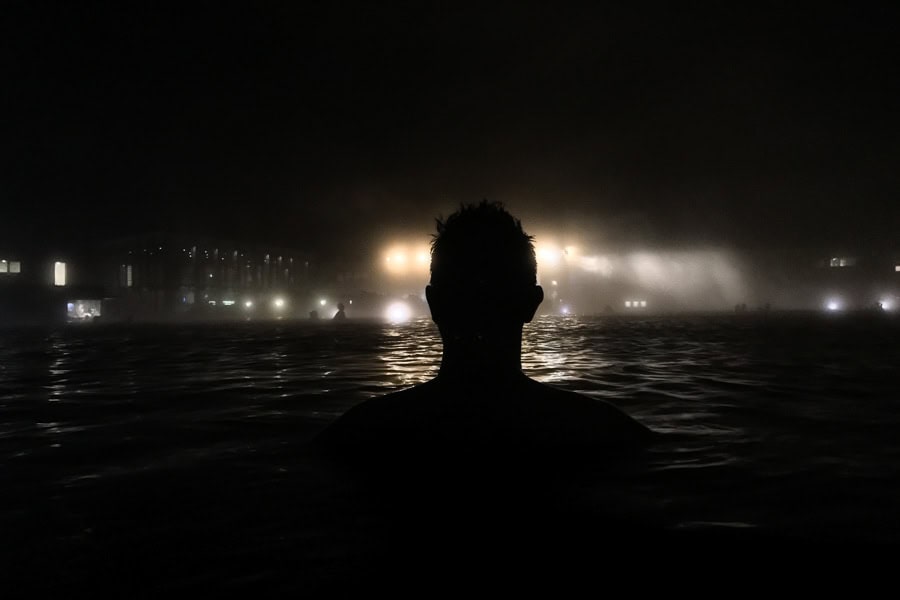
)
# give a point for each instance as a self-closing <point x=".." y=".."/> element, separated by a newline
<point x="371" y="419"/>
<point x="571" y="418"/>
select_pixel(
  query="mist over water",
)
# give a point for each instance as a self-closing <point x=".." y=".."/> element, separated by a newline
<point x="698" y="280"/>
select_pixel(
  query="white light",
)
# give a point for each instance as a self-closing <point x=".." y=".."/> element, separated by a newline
<point x="59" y="273"/>
<point x="833" y="305"/>
<point x="564" y="310"/>
<point x="249" y="303"/>
<point x="886" y="304"/>
<point x="278" y="302"/>
<point x="398" y="312"/>
<point x="628" y="304"/>
<point x="322" y="302"/>
<point x="553" y="282"/>
<point x="643" y="304"/>
<point x="227" y="302"/>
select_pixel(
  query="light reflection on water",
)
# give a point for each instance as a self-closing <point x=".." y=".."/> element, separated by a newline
<point x="757" y="410"/>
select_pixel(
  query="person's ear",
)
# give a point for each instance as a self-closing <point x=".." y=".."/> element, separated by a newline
<point x="533" y="299"/>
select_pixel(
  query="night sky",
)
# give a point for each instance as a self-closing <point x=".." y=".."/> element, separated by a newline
<point x="321" y="125"/>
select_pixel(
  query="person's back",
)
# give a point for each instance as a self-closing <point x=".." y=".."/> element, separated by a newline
<point x="520" y="414"/>
<point x="483" y="290"/>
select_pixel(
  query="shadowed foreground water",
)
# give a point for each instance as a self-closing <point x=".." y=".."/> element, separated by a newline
<point x="175" y="457"/>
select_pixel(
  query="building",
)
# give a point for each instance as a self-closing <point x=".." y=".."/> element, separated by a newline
<point x="163" y="276"/>
<point x="40" y="286"/>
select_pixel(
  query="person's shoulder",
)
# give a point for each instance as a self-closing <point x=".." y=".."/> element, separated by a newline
<point x="376" y="418"/>
<point x="577" y="419"/>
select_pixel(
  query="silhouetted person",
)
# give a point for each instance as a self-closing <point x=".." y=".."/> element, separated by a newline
<point x="340" y="315"/>
<point x="483" y="290"/>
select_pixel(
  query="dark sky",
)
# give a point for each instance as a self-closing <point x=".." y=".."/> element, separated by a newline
<point x="317" y="123"/>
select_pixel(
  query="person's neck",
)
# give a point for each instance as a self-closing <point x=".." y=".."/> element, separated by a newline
<point x="481" y="360"/>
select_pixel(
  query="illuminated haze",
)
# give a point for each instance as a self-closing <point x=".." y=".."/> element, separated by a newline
<point x="700" y="158"/>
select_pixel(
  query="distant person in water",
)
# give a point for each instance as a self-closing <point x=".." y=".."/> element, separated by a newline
<point x="340" y="314"/>
<point x="483" y="290"/>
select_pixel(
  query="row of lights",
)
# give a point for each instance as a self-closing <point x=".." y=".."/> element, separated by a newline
<point x="635" y="304"/>
<point x="396" y="312"/>
<point x="401" y="260"/>
<point x="837" y="305"/>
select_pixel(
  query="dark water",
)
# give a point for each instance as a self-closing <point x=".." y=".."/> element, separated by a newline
<point x="172" y="457"/>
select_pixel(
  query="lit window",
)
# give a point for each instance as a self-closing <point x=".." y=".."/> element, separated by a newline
<point x="4" y="266"/>
<point x="15" y="266"/>
<point x="897" y="269"/>
<point x="842" y="262"/>
<point x="128" y="276"/>
<point x="59" y="273"/>
<point x="81" y="310"/>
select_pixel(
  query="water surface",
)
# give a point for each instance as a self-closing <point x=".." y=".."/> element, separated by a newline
<point x="132" y="450"/>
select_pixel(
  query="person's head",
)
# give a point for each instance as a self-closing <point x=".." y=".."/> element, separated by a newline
<point x="340" y="306"/>
<point x="483" y="272"/>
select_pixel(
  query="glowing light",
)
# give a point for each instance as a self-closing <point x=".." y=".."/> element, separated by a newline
<point x="628" y="304"/>
<point x="833" y="305"/>
<point x="643" y="304"/>
<point x="886" y="304"/>
<point x="547" y="256"/>
<point x="278" y="303"/>
<point x="59" y="273"/>
<point x="227" y="302"/>
<point x="553" y="282"/>
<point x="323" y="302"/>
<point x="564" y="310"/>
<point x="398" y="312"/>
<point x="248" y="304"/>
<point x="405" y="260"/>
